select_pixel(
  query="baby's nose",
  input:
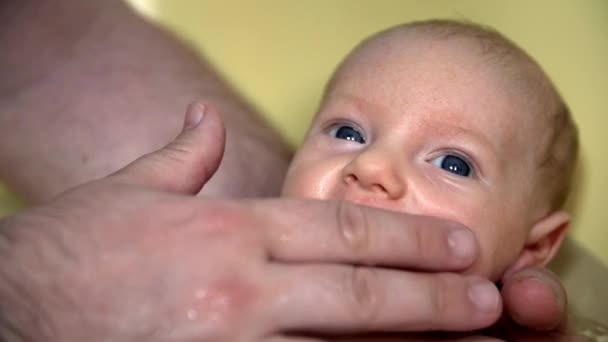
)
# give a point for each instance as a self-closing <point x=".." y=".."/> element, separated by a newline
<point x="377" y="173"/>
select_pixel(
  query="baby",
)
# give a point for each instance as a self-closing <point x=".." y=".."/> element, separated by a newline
<point x="452" y="120"/>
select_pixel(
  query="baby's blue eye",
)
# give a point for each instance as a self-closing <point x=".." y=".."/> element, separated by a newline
<point x="347" y="133"/>
<point x="453" y="164"/>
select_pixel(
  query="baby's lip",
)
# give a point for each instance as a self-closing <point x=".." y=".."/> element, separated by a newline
<point x="372" y="200"/>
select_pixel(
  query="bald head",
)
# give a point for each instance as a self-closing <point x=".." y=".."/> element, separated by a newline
<point x="556" y="143"/>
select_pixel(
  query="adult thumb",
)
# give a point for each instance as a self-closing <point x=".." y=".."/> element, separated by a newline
<point x="188" y="162"/>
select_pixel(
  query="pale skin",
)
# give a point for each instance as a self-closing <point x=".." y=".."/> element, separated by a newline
<point x="265" y="274"/>
<point x="100" y="243"/>
<point x="395" y="111"/>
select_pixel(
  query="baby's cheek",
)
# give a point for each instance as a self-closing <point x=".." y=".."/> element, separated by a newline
<point x="297" y="187"/>
<point x="473" y="210"/>
<point x="501" y="243"/>
<point x="307" y="180"/>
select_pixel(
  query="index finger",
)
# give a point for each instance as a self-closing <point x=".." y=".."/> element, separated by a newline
<point x="343" y="232"/>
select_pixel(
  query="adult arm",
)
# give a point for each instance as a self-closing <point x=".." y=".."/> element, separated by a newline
<point x="88" y="86"/>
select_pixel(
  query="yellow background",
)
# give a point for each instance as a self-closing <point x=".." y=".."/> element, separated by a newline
<point x="279" y="54"/>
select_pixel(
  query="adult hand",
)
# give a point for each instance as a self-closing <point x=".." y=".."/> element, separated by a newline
<point x="535" y="298"/>
<point x="136" y="257"/>
<point x="535" y="310"/>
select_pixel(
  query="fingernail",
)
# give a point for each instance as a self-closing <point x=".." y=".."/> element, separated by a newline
<point x="194" y="115"/>
<point x="462" y="243"/>
<point x="484" y="295"/>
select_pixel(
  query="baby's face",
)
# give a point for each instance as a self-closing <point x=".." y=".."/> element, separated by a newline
<point x="427" y="128"/>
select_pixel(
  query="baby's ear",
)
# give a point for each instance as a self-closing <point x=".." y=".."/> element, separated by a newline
<point x="543" y="241"/>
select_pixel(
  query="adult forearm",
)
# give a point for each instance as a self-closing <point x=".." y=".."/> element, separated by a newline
<point x="89" y="86"/>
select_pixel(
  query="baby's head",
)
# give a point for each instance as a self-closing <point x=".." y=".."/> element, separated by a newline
<point x="451" y="120"/>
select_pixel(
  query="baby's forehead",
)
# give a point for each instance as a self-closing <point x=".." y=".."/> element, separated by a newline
<point x="487" y="55"/>
<point x="479" y="43"/>
<point x="524" y="116"/>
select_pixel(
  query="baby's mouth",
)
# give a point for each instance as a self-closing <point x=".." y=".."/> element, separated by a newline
<point x="375" y="200"/>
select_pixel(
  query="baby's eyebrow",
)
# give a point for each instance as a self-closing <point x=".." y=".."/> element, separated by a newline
<point x="470" y="132"/>
<point x="449" y="127"/>
<point x="453" y="128"/>
<point x="360" y="103"/>
<point x="490" y="159"/>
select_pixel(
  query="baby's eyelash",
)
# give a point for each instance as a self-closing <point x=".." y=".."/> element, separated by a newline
<point x="346" y="131"/>
<point x="456" y="163"/>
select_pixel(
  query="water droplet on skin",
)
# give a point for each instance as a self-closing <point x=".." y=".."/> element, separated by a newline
<point x="192" y="314"/>
<point x="200" y="294"/>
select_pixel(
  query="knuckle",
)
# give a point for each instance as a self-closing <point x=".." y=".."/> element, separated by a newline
<point x="234" y="217"/>
<point x="417" y="241"/>
<point x="427" y="242"/>
<point x="363" y="287"/>
<point x="176" y="152"/>
<point x="219" y="219"/>
<point x="179" y="154"/>
<point x="439" y="292"/>
<point x="353" y="227"/>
